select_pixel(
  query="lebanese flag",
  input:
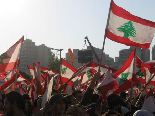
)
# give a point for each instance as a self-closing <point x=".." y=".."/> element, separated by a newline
<point x="10" y="59"/>
<point x="149" y="103"/>
<point x="108" y="83"/>
<point x="9" y="83"/>
<point x="67" y="72"/>
<point x="48" y="70"/>
<point x="125" y="75"/>
<point x="47" y="94"/>
<point x="37" y="74"/>
<point x="148" y="69"/>
<point x="140" y="71"/>
<point x="128" y="29"/>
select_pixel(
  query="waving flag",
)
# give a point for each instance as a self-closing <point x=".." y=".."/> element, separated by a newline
<point x="10" y="59"/>
<point x="67" y="72"/>
<point x="125" y="75"/>
<point x="128" y="29"/>
<point x="108" y="83"/>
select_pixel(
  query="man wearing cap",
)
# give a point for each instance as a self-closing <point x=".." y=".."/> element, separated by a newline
<point x="56" y="106"/>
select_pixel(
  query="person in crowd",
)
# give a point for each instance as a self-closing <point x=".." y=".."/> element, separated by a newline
<point x="111" y="113"/>
<point x="142" y="113"/>
<point x="78" y="95"/>
<point x="81" y="107"/>
<point x="54" y="92"/>
<point x="14" y="104"/>
<point x="56" y="106"/>
<point x="114" y="103"/>
<point x="1" y="103"/>
<point x="77" y="110"/>
<point x="28" y="108"/>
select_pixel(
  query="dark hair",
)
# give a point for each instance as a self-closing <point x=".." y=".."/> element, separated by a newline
<point x="26" y="97"/>
<point x="69" y="98"/>
<point x="113" y="100"/>
<point x="54" y="91"/>
<point x="94" y="98"/>
<point x="123" y="95"/>
<point x="110" y="112"/>
<point x="76" y="92"/>
<point x="13" y="97"/>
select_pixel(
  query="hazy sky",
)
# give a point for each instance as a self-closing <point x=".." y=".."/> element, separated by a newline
<point x="64" y="23"/>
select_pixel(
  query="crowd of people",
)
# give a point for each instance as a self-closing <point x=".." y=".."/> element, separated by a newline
<point x="76" y="104"/>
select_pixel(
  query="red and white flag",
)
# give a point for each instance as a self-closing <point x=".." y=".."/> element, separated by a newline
<point x="9" y="82"/>
<point x="10" y="59"/>
<point x="108" y="83"/>
<point x="125" y="75"/>
<point x="67" y="72"/>
<point x="128" y="29"/>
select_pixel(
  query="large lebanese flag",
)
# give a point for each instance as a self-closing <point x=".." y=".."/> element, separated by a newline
<point x="125" y="75"/>
<point x="128" y="29"/>
<point x="10" y="59"/>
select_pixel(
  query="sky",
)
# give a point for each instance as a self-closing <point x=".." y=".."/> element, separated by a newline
<point x="63" y="24"/>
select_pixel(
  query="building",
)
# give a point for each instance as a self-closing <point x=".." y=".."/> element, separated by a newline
<point x="153" y="52"/>
<point x="106" y="60"/>
<point x="143" y="54"/>
<point x="30" y="53"/>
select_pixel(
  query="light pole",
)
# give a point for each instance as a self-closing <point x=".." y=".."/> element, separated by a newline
<point x="60" y="60"/>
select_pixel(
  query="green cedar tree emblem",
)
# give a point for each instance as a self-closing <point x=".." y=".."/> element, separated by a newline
<point x="3" y="56"/>
<point x="128" y="29"/>
<point x="88" y="74"/>
<point x="124" y="77"/>
<point x="64" y="70"/>
<point x="140" y="74"/>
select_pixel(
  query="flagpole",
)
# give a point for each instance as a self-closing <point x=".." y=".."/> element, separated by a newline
<point x="105" y="34"/>
<point x="132" y="79"/>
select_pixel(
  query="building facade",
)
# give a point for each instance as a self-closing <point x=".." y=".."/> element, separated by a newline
<point x="30" y="53"/>
<point x="106" y="60"/>
<point x="143" y="54"/>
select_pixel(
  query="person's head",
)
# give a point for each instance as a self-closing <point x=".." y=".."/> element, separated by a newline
<point x="114" y="101"/>
<point x="78" y="95"/>
<point x="111" y="113"/>
<point x="123" y="95"/>
<point x="71" y="100"/>
<point x="13" y="102"/>
<point x="26" y="97"/>
<point x="76" y="110"/>
<point x="57" y="104"/>
<point x="142" y="113"/>
<point x="54" y="92"/>
<point x="94" y="98"/>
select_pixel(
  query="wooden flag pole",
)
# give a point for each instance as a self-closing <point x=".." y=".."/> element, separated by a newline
<point x="134" y="64"/>
<point x="105" y="34"/>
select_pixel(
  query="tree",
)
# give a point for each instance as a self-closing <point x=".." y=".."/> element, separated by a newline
<point x="128" y="29"/>
<point x="54" y="63"/>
